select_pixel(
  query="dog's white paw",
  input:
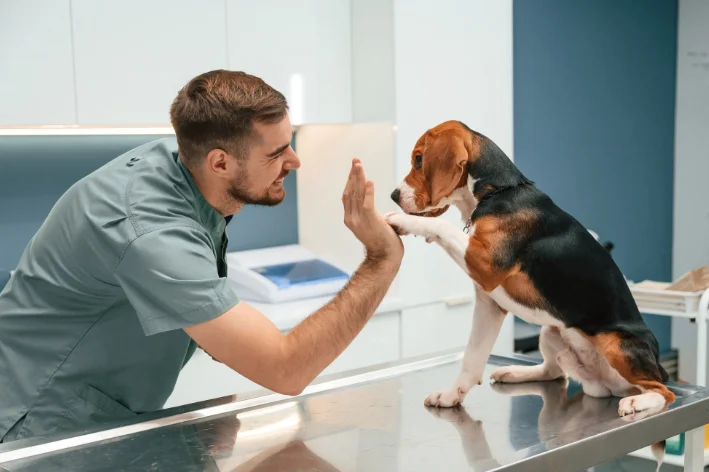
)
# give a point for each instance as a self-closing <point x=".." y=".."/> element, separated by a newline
<point x="445" y="398"/>
<point x="402" y="223"/>
<point x="503" y="375"/>
<point x="646" y="403"/>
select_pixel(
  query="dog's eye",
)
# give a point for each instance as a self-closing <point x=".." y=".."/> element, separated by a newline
<point x="418" y="160"/>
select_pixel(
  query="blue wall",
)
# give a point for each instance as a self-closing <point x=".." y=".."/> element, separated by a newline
<point x="36" y="171"/>
<point x="594" y="98"/>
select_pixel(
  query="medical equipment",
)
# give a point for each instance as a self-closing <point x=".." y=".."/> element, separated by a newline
<point x="283" y="273"/>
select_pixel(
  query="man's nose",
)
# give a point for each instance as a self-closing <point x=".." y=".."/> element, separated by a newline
<point x="395" y="195"/>
<point x="293" y="163"/>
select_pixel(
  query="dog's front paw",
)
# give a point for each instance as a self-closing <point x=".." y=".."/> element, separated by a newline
<point x="445" y="398"/>
<point x="398" y="222"/>
<point x="411" y="224"/>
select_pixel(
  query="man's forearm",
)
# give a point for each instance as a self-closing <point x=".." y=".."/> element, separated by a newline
<point x="319" y="339"/>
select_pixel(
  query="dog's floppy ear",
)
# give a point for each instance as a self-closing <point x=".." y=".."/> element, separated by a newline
<point x="445" y="159"/>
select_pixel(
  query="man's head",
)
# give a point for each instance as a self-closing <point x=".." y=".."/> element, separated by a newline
<point x="234" y="134"/>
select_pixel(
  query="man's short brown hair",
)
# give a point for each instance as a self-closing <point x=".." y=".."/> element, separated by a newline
<point x="217" y="109"/>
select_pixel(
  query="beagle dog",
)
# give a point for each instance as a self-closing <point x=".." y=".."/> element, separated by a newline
<point x="529" y="257"/>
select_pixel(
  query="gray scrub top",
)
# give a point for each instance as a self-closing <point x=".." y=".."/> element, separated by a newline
<point x="90" y="321"/>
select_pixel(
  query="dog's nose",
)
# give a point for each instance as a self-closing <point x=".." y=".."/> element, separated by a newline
<point x="395" y="195"/>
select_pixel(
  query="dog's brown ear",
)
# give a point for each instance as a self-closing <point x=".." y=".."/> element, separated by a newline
<point x="445" y="159"/>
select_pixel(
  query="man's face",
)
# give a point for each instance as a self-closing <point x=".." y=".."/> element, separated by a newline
<point x="259" y="177"/>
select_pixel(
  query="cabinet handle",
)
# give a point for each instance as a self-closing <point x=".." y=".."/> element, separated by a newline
<point x="458" y="301"/>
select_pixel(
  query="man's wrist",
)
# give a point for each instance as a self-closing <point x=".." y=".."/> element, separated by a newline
<point x="382" y="260"/>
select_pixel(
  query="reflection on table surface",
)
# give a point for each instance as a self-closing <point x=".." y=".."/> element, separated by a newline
<point x="379" y="426"/>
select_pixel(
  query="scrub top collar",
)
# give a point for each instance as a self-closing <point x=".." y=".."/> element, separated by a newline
<point x="210" y="217"/>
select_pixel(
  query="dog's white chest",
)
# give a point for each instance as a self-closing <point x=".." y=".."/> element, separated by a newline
<point x="530" y="315"/>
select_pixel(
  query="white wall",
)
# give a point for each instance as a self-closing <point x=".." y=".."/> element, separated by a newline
<point x="691" y="205"/>
<point x="691" y="200"/>
<point x="449" y="60"/>
<point x="372" y="60"/>
<point x="279" y="39"/>
<point x="453" y="60"/>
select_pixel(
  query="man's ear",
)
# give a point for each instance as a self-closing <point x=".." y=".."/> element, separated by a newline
<point x="446" y="161"/>
<point x="217" y="160"/>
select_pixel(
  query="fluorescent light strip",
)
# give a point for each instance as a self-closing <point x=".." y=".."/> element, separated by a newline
<point x="85" y="131"/>
<point x="69" y="130"/>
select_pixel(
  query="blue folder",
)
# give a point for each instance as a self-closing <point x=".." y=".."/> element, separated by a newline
<point x="307" y="272"/>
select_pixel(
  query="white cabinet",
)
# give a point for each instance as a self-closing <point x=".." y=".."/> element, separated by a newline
<point x="303" y="49"/>
<point x="110" y="62"/>
<point x="429" y="329"/>
<point x="204" y="378"/>
<point x="133" y="56"/>
<point x="36" y="68"/>
<point x="378" y="342"/>
<point x="433" y="328"/>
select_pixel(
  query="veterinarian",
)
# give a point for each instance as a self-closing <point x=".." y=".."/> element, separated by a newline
<point x="127" y="276"/>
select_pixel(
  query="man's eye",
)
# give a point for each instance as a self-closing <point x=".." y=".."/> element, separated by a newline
<point x="418" y="160"/>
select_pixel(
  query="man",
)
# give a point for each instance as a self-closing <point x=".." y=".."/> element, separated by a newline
<point x="127" y="274"/>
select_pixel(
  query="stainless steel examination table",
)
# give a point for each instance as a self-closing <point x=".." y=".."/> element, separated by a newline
<point x="375" y="420"/>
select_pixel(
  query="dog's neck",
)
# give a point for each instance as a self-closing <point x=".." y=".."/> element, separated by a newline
<point x="491" y="174"/>
<point x="464" y="199"/>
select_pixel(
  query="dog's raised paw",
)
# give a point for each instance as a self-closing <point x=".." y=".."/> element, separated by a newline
<point x="396" y="221"/>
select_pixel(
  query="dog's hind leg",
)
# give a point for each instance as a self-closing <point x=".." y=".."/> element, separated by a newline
<point x="550" y="345"/>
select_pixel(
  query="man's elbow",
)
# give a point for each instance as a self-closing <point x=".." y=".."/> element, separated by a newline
<point x="291" y="391"/>
<point x="290" y="386"/>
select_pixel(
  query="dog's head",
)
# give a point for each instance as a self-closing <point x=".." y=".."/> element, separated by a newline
<point x="439" y="167"/>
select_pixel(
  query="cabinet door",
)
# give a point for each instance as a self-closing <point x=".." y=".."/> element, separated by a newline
<point x="377" y="343"/>
<point x="36" y="67"/>
<point x="433" y="328"/>
<point x="133" y="56"/>
<point x="204" y="379"/>
<point x="300" y="48"/>
<point x="437" y="327"/>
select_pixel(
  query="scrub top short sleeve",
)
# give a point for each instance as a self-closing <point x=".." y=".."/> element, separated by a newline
<point x="170" y="277"/>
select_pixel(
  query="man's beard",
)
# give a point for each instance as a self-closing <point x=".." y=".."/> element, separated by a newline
<point x="239" y="193"/>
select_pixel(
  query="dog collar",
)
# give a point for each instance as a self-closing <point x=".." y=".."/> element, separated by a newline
<point x="489" y="195"/>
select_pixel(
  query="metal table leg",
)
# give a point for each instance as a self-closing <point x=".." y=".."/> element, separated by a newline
<point x="694" y="450"/>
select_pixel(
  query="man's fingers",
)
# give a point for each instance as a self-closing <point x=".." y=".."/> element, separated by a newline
<point x="368" y="203"/>
<point x="350" y="181"/>
<point x="347" y="193"/>
<point x="359" y="182"/>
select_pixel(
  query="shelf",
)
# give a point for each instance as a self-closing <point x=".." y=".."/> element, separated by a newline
<point x="657" y="301"/>
<point x="646" y="453"/>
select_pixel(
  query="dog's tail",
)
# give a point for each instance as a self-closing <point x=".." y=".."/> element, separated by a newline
<point x="658" y="450"/>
